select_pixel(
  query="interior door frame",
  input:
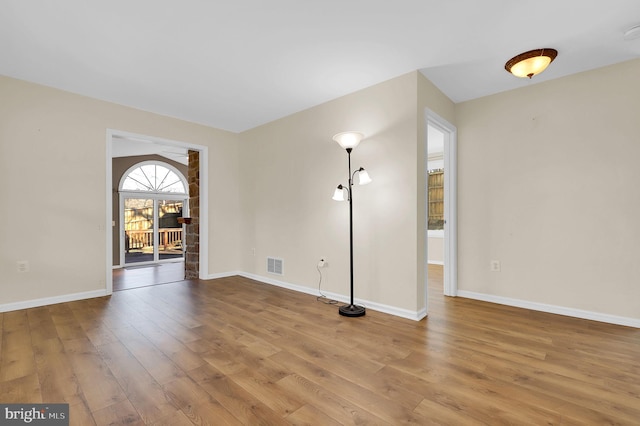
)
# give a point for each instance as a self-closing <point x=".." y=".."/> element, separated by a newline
<point x="450" y="269"/>
<point x="203" y="256"/>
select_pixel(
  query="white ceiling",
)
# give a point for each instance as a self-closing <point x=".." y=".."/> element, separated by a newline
<point x="237" y="64"/>
<point x="122" y="146"/>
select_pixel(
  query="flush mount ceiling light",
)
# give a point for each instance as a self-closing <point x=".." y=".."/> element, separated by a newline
<point x="530" y="63"/>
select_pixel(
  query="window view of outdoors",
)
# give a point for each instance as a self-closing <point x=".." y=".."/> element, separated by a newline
<point x="153" y="178"/>
<point x="141" y="234"/>
<point x="436" y="199"/>
<point x="138" y="225"/>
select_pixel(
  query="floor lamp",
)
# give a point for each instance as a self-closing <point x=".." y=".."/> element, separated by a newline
<point x="348" y="141"/>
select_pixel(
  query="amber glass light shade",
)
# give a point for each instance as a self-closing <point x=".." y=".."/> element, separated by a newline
<point x="530" y="63"/>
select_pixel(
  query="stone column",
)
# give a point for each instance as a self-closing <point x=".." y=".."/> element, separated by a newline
<point x="192" y="255"/>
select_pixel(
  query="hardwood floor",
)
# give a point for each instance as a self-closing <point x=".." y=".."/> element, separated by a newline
<point x="233" y="351"/>
<point x="146" y="275"/>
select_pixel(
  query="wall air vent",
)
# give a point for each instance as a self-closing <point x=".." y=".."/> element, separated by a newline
<point x="275" y="266"/>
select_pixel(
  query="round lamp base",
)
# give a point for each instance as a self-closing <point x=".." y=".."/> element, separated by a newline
<point x="351" y="311"/>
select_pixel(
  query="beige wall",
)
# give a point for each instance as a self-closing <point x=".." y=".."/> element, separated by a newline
<point x="295" y="166"/>
<point x="292" y="169"/>
<point x="53" y="173"/>
<point x="436" y="250"/>
<point x="548" y="184"/>
<point x="547" y="180"/>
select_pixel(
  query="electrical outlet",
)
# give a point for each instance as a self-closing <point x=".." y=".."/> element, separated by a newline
<point x="322" y="263"/>
<point x="495" y="266"/>
<point x="23" y="265"/>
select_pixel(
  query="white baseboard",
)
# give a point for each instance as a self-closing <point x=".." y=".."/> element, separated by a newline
<point x="391" y="310"/>
<point x="223" y="275"/>
<point x="26" y="304"/>
<point x="7" y="307"/>
<point x="552" y="309"/>
<point x="435" y="262"/>
<point x="418" y="315"/>
<point x="403" y="313"/>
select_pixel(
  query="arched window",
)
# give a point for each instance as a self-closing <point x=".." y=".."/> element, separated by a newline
<point x="153" y="198"/>
<point x="155" y="177"/>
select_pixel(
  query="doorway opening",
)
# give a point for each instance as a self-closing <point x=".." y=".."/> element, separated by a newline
<point x="440" y="209"/>
<point x="148" y="202"/>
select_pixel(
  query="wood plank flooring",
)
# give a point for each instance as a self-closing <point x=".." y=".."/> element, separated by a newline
<point x="146" y="275"/>
<point x="235" y="352"/>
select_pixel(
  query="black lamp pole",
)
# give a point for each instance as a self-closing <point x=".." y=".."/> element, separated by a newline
<point x="351" y="310"/>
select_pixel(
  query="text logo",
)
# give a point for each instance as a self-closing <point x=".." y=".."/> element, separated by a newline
<point x="34" y="414"/>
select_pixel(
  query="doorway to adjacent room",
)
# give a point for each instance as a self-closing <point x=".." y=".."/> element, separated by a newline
<point x="155" y="212"/>
<point x="440" y="209"/>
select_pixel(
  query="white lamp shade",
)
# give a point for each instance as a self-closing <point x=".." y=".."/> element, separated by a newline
<point x="348" y="140"/>
<point x="338" y="195"/>
<point x="363" y="177"/>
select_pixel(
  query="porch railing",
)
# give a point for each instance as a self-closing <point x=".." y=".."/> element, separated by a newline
<point x="168" y="238"/>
